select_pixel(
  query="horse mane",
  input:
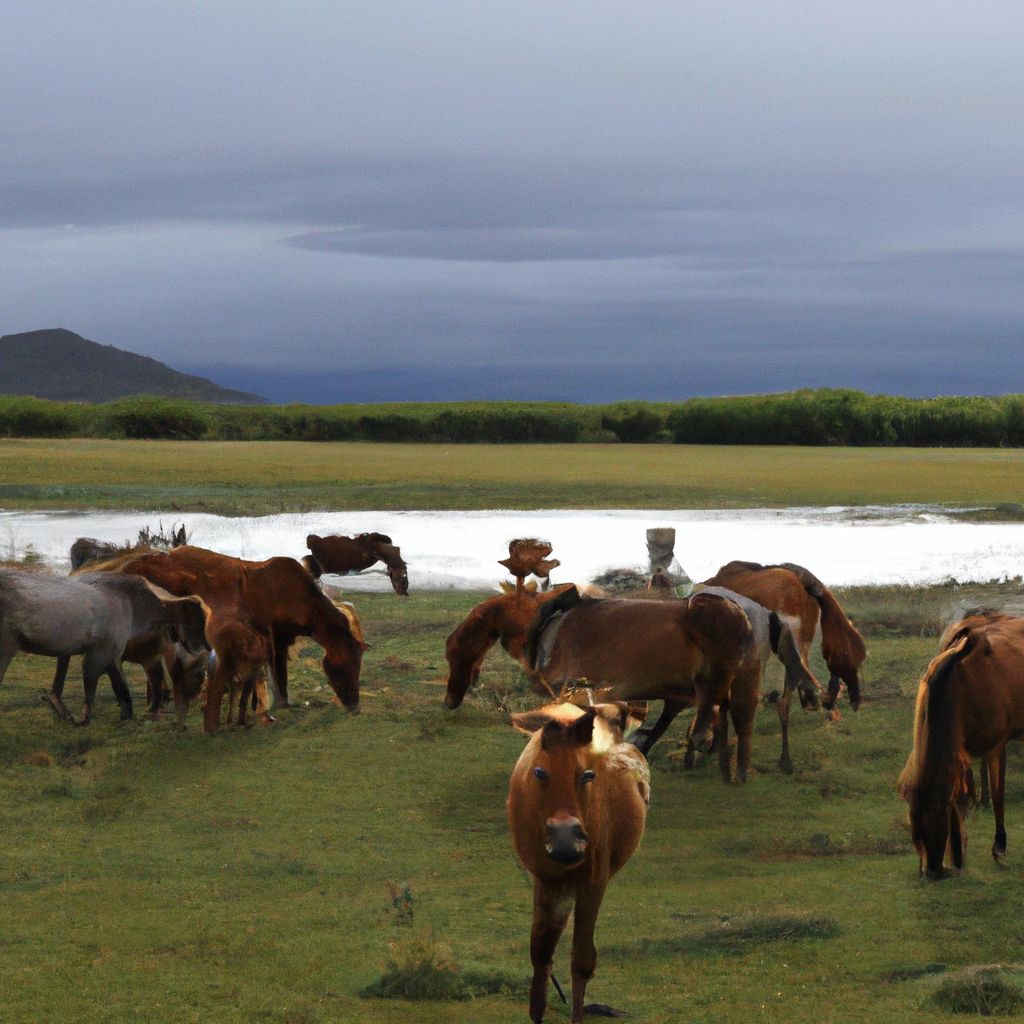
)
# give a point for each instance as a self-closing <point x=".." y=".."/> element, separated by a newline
<point x="312" y="566"/>
<point x="117" y="562"/>
<point x="351" y="615"/>
<point x="563" y="602"/>
<point x="938" y="761"/>
<point x="834" y="620"/>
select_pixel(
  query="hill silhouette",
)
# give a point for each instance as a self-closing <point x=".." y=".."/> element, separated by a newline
<point x="62" y="365"/>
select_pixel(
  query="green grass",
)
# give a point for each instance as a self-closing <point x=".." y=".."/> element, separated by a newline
<point x="239" y="478"/>
<point x="155" y="875"/>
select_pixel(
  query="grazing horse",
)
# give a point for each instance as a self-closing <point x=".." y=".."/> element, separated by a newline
<point x="684" y="652"/>
<point x="794" y="590"/>
<point x="343" y="555"/>
<point x="577" y="805"/>
<point x="970" y="703"/>
<point x="276" y="600"/>
<point x="504" y="618"/>
<point x="62" y="617"/>
<point x="773" y="634"/>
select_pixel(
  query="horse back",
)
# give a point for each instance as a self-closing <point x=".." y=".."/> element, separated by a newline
<point x="991" y="681"/>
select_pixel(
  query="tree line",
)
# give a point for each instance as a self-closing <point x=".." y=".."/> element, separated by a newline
<point x="825" y="416"/>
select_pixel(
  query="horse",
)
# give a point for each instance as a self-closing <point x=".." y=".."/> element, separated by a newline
<point x="577" y="805"/>
<point x="62" y="617"/>
<point x="773" y="634"/>
<point x="275" y="599"/>
<point x="685" y="652"/>
<point x="181" y="653"/>
<point x="344" y="555"/>
<point x="794" y="590"/>
<point x="505" y="618"/>
<point x="970" y="703"/>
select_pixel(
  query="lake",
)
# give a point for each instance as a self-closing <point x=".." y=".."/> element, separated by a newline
<point x="844" y="546"/>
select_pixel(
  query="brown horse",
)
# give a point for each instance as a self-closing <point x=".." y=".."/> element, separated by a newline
<point x="577" y="805"/>
<point x="276" y="600"/>
<point x="793" y="590"/>
<point x="686" y="652"/>
<point x="343" y="555"/>
<point x="504" y="618"/>
<point x="970" y="703"/>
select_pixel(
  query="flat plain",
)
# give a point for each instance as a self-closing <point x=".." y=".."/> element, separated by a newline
<point x="262" y="477"/>
<point x="159" y="875"/>
<point x="278" y="874"/>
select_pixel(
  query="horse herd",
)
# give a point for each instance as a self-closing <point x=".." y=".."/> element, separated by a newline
<point x="578" y="794"/>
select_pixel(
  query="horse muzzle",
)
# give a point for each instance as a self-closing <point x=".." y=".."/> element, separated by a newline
<point x="565" y="841"/>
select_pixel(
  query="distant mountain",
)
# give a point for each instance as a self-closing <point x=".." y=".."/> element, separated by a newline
<point x="62" y="365"/>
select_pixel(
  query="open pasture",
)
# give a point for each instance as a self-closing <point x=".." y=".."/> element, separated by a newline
<point x="155" y="875"/>
<point x="263" y="477"/>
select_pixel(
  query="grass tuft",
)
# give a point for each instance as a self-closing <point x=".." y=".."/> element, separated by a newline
<point x="422" y="968"/>
<point x="980" y="990"/>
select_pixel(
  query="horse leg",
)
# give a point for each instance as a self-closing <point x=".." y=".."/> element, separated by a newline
<point x="56" y="692"/>
<point x="154" y="685"/>
<point x="281" y="670"/>
<point x="783" y="708"/>
<point x="121" y="691"/>
<point x="743" y="723"/>
<point x="722" y="741"/>
<point x="646" y="738"/>
<point x="985" y="801"/>
<point x="584" y="954"/>
<point x="216" y="683"/>
<point x="552" y="902"/>
<point x="997" y="767"/>
<point x="90" y="679"/>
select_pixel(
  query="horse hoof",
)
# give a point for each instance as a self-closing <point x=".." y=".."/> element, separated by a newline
<point x="999" y="854"/>
<point x="786" y="766"/>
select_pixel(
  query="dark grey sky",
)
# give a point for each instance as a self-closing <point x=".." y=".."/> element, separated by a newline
<point x="404" y="200"/>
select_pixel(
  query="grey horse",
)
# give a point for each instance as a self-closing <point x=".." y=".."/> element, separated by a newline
<point x="62" y="617"/>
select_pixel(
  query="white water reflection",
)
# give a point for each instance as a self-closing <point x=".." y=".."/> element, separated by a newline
<point x="896" y="544"/>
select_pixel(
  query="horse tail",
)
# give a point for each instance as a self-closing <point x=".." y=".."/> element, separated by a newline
<point x="938" y="764"/>
<point x="563" y="602"/>
<point x="720" y="624"/>
<point x="774" y="631"/>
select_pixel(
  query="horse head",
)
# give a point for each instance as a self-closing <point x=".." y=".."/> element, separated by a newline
<point x="561" y="768"/>
<point x="398" y="572"/>
<point x="938" y="821"/>
<point x="844" y="654"/>
<point x="343" y="654"/>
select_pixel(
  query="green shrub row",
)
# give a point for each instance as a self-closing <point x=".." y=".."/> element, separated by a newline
<point x="811" y="417"/>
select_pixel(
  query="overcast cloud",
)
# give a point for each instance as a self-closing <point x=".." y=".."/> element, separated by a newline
<point x="402" y="200"/>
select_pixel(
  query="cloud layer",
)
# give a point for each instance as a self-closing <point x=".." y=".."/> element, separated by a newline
<point x="408" y="200"/>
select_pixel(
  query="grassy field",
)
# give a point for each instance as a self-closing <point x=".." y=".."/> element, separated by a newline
<point x="155" y="875"/>
<point x="250" y="478"/>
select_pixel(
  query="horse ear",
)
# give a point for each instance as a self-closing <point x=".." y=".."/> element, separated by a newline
<point x="583" y="728"/>
<point x="530" y="721"/>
